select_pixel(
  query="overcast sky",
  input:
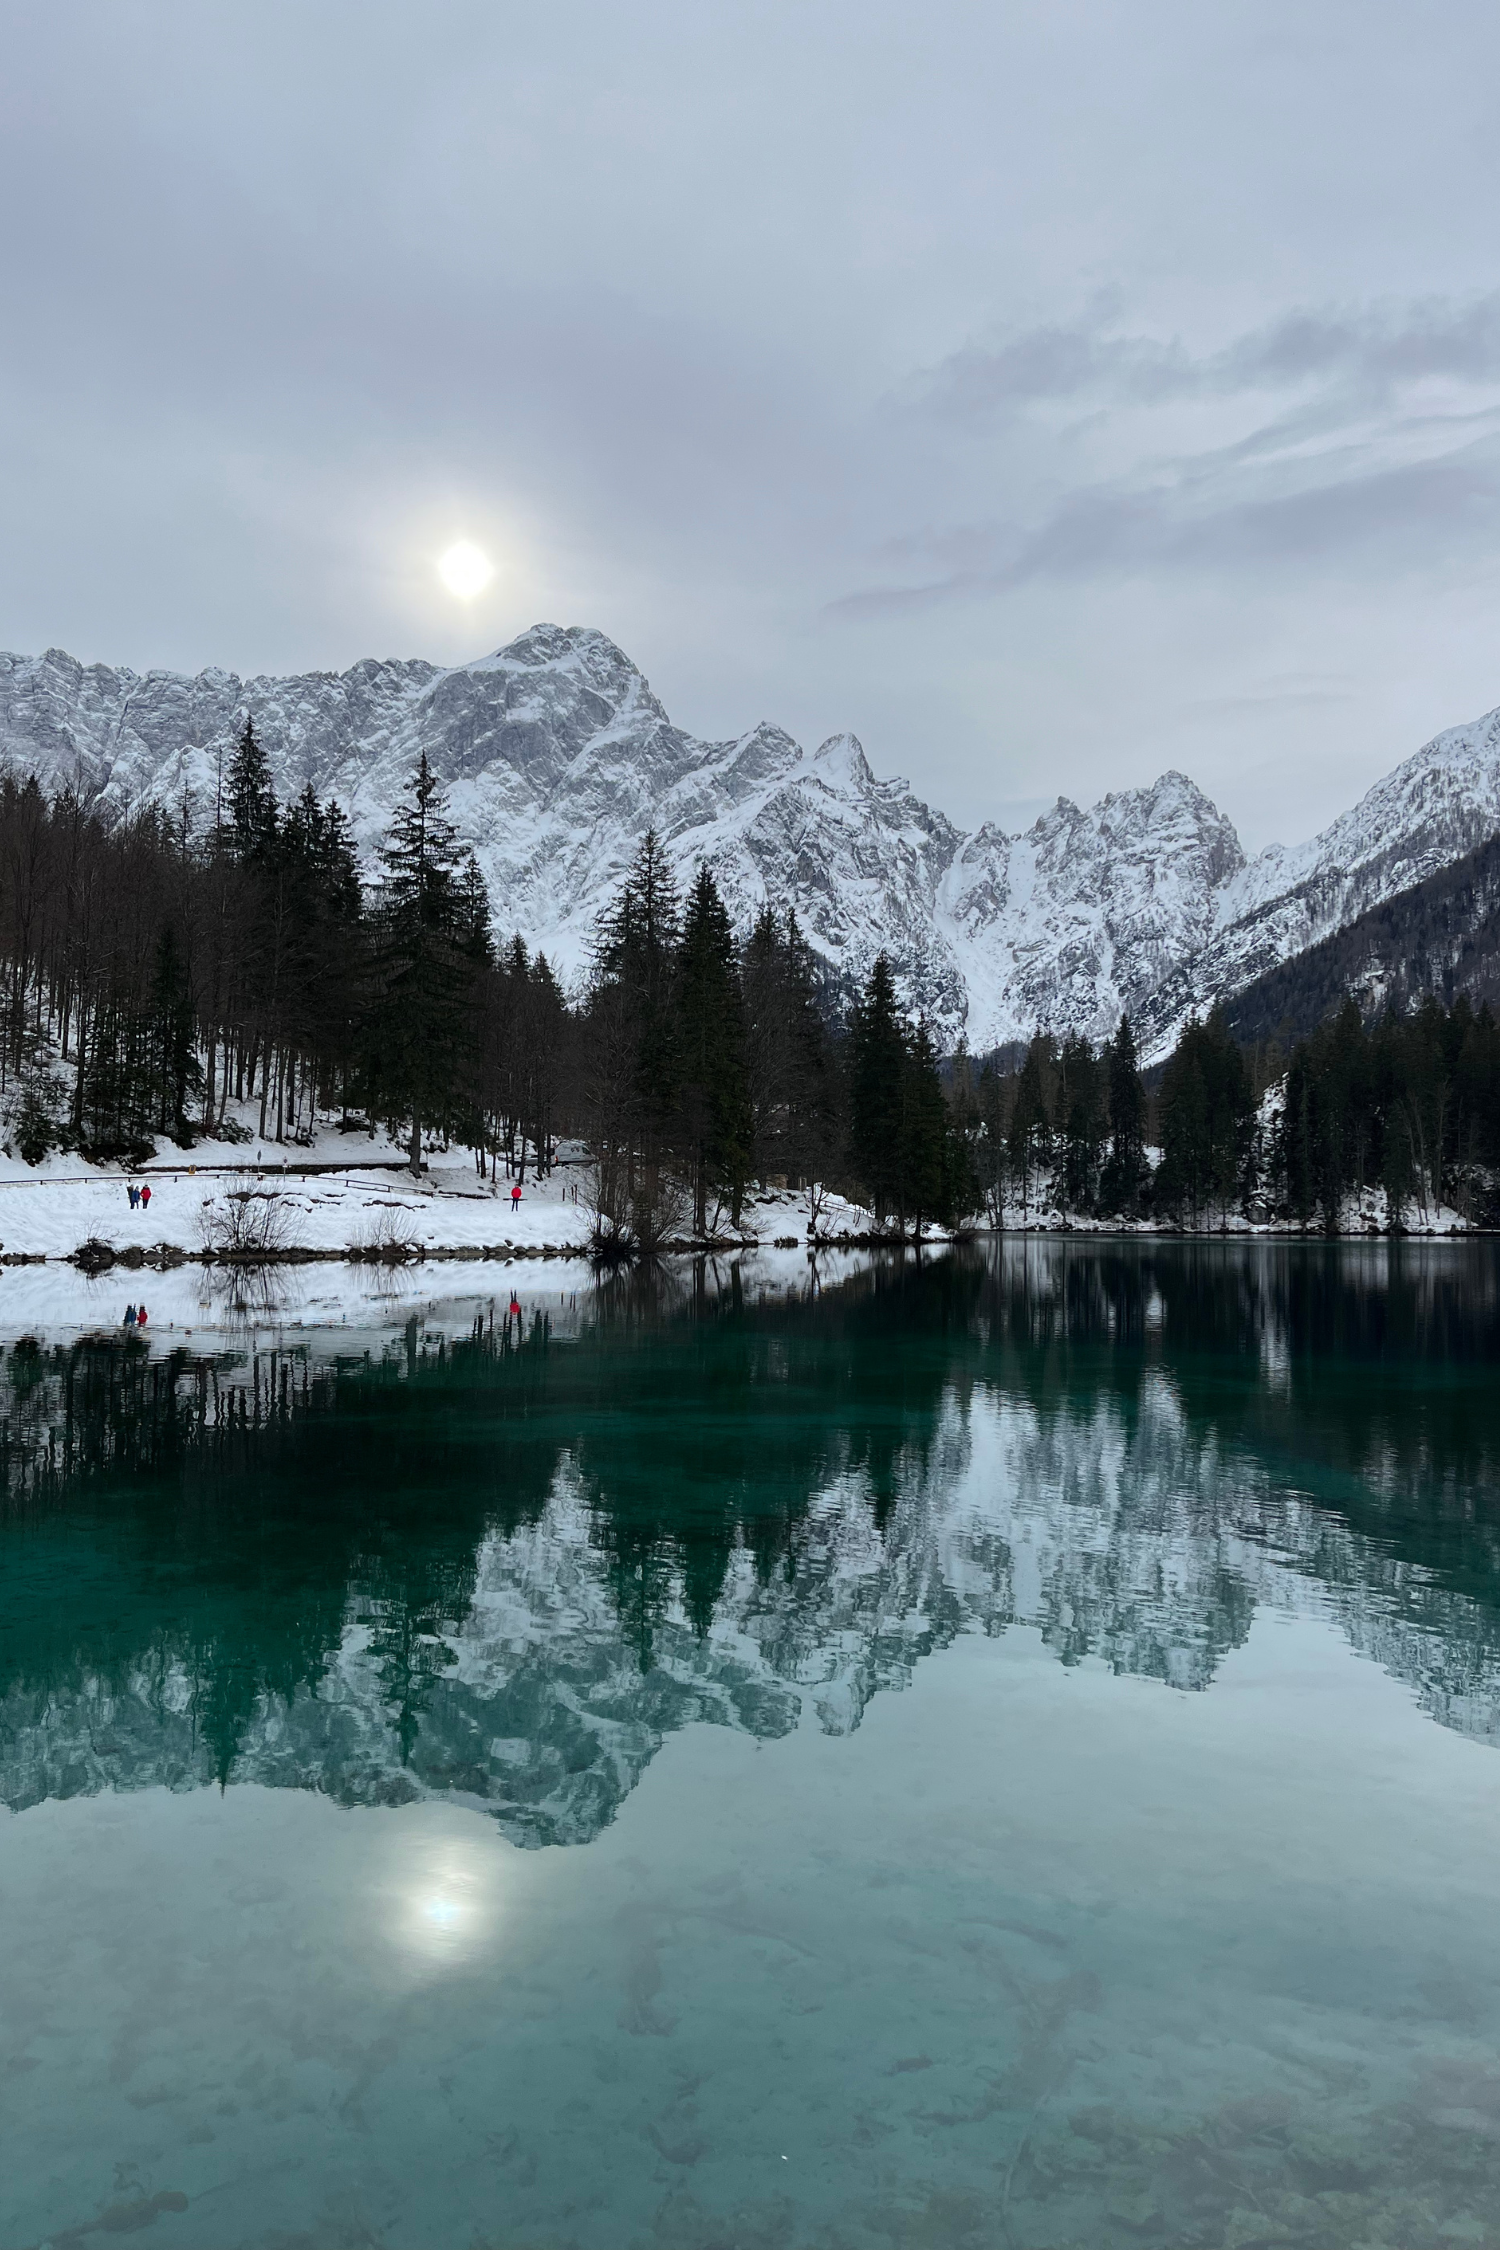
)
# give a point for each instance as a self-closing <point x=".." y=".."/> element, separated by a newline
<point x="1051" y="392"/>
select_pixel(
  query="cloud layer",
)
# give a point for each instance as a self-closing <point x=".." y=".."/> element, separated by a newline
<point x="1044" y="393"/>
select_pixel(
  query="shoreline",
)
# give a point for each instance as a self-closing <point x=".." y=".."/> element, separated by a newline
<point x="96" y="1257"/>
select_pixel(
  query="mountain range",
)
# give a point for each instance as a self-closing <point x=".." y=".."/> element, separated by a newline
<point x="558" y="758"/>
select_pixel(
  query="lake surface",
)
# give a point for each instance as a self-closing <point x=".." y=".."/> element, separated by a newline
<point x="1000" y="1752"/>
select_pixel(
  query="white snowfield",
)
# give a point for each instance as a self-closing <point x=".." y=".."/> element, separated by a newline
<point x="559" y="758"/>
<point x="51" y="1212"/>
<point x="346" y="1196"/>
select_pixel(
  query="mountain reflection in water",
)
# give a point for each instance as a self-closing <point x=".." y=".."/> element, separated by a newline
<point x="501" y="1565"/>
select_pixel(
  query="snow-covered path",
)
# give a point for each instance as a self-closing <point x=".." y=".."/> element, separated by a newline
<point x="52" y="1211"/>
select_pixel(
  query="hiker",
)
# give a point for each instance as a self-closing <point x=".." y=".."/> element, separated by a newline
<point x="515" y="1195"/>
<point x="140" y="1318"/>
<point x="146" y="1198"/>
<point x="515" y="1308"/>
<point x="134" y="1194"/>
<point x="129" y="1320"/>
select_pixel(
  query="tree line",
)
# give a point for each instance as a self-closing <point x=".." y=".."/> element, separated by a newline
<point x="248" y="980"/>
<point x="1392" y="1118"/>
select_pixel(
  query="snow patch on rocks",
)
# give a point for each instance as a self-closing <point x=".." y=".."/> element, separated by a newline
<point x="559" y="757"/>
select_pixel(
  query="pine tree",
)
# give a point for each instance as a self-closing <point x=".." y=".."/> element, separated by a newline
<point x="634" y="1022"/>
<point x="1030" y="1137"/>
<point x="715" y="1106"/>
<point x="922" y="1156"/>
<point x="877" y="1066"/>
<point x="174" y="1067"/>
<point x="989" y="1150"/>
<point x="1082" y="1106"/>
<point x="1207" y="1113"/>
<point x="475" y="937"/>
<point x="252" y="800"/>
<point x="420" y="1051"/>
<point x="791" y="1079"/>
<point x="1127" y="1173"/>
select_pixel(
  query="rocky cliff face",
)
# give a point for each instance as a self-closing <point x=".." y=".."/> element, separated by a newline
<point x="559" y="757"/>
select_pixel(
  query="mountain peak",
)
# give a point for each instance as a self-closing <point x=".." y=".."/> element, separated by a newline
<point x="559" y="758"/>
<point x="549" y="647"/>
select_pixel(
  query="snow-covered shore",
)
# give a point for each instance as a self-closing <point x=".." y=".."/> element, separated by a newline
<point x="349" y="1198"/>
<point x="342" y="1197"/>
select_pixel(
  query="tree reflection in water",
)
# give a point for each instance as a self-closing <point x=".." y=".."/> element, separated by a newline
<point x="506" y="1565"/>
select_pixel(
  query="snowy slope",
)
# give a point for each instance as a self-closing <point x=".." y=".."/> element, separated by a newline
<point x="559" y="757"/>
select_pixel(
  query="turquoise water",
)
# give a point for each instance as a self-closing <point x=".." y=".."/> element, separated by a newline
<point x="1005" y="1752"/>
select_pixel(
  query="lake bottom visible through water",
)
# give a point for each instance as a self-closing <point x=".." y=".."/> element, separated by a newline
<point x="1022" y="1771"/>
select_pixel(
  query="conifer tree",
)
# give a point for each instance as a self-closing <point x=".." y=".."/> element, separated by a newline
<point x="923" y="1163"/>
<point x="1030" y="1137"/>
<point x="252" y="800"/>
<point x="988" y="1148"/>
<point x="476" y="940"/>
<point x="877" y="1067"/>
<point x="1207" y="1113"/>
<point x="635" y="1030"/>
<point x="1082" y="1110"/>
<point x="713" y="1095"/>
<point x="1127" y="1173"/>
<point x="174" y="1065"/>
<point x="419" y="1053"/>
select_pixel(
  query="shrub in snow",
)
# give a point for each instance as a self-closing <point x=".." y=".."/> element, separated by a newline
<point x="249" y="1223"/>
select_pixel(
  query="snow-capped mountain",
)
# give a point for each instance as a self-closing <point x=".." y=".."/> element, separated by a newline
<point x="559" y="757"/>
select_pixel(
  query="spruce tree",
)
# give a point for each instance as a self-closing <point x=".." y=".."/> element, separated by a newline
<point x="1082" y="1114"/>
<point x="791" y="1080"/>
<point x="633" y="1018"/>
<point x="923" y="1166"/>
<point x="419" y="1054"/>
<point x="1207" y="1115"/>
<point x="1127" y="1173"/>
<point x="476" y="940"/>
<point x="174" y="1066"/>
<point x="252" y="800"/>
<point x="1030" y="1138"/>
<point x="877" y="1067"/>
<point x="989" y="1150"/>
<point x="713" y="1097"/>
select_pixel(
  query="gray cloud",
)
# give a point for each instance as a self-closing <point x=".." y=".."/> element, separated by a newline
<point x="1376" y="351"/>
<point x="753" y="335"/>
<point x="1387" y="522"/>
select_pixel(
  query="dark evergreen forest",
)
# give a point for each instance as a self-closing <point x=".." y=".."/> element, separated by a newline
<point x="245" y="980"/>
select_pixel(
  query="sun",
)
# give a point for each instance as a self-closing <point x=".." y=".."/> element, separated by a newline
<point x="465" y="571"/>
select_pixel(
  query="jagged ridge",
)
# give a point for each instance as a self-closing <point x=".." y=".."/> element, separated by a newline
<point x="559" y="757"/>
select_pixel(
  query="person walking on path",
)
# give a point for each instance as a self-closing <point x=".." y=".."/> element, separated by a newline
<point x="515" y="1195"/>
<point x="146" y="1197"/>
<point x="134" y="1194"/>
<point x="129" y="1320"/>
<point x="140" y="1318"/>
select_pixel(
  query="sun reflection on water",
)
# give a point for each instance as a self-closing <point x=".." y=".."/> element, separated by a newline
<point x="448" y="1899"/>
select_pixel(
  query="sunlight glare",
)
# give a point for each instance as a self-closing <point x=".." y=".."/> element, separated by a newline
<point x="465" y="571"/>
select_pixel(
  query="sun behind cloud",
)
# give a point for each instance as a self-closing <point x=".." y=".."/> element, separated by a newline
<point x="465" y="570"/>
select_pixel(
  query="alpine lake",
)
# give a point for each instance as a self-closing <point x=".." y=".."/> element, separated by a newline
<point x="979" y="1752"/>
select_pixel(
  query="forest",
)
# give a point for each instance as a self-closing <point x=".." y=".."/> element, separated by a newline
<point x="248" y="979"/>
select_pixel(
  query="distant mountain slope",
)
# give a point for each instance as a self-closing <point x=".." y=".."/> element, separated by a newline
<point x="559" y="757"/>
<point x="1432" y="810"/>
<point x="1441" y="936"/>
